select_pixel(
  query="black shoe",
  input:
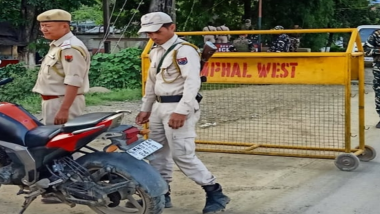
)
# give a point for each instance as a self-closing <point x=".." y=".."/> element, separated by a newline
<point x="168" y="200"/>
<point x="378" y="125"/>
<point x="216" y="201"/>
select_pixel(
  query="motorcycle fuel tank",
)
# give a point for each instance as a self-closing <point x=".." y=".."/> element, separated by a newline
<point x="15" y="122"/>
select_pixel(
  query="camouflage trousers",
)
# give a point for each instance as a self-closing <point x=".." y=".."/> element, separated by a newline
<point x="294" y="44"/>
<point x="376" y="85"/>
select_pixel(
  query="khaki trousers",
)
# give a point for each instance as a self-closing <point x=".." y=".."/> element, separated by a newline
<point x="178" y="146"/>
<point x="51" y="107"/>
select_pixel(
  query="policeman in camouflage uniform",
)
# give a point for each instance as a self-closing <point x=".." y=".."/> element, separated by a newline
<point x="372" y="48"/>
<point x="295" y="40"/>
<point x="280" y="43"/>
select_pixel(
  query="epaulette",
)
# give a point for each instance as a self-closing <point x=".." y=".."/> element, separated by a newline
<point x="66" y="44"/>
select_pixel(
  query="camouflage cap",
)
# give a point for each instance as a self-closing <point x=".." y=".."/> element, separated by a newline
<point x="278" y="27"/>
<point x="55" y="15"/>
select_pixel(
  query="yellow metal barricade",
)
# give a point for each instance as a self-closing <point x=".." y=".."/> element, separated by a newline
<point x="284" y="104"/>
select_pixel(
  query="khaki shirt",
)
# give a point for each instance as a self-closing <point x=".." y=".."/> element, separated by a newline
<point x="169" y="81"/>
<point x="71" y="68"/>
<point x="224" y="28"/>
<point x="209" y="28"/>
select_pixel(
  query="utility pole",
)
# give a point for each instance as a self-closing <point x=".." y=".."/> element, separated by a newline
<point x="259" y="23"/>
<point x="106" y="25"/>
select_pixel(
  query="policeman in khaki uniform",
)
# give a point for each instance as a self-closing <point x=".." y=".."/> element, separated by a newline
<point x="172" y="110"/>
<point x="223" y="38"/>
<point x="63" y="76"/>
<point x="211" y="38"/>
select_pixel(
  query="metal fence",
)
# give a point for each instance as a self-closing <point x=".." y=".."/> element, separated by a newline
<point x="285" y="104"/>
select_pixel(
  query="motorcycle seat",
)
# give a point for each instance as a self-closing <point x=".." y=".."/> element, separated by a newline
<point x="85" y="121"/>
<point x="41" y="135"/>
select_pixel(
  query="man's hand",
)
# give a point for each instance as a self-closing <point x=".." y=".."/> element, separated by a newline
<point x="62" y="117"/>
<point x="142" y="118"/>
<point x="176" y="121"/>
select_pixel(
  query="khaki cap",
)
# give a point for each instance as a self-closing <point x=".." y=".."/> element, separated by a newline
<point x="55" y="15"/>
<point x="152" y="22"/>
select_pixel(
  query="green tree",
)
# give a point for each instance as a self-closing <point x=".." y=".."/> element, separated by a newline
<point x="93" y="13"/>
<point x="22" y="14"/>
<point x="350" y="14"/>
<point x="193" y="15"/>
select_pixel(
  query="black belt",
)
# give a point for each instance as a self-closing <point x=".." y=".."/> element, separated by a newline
<point x="169" y="99"/>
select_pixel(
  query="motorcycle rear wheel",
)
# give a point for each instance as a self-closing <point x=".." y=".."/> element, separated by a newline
<point x="150" y="205"/>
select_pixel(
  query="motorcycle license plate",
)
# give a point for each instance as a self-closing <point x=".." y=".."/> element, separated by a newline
<point x="144" y="149"/>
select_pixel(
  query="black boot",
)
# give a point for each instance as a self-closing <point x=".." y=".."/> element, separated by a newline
<point x="378" y="125"/>
<point x="168" y="200"/>
<point x="216" y="201"/>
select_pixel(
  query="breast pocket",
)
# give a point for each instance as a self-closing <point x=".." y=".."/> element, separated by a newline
<point x="170" y="71"/>
<point x="54" y="68"/>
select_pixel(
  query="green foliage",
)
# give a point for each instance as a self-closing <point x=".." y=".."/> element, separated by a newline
<point x="126" y="94"/>
<point x="335" y="48"/>
<point x="32" y="103"/>
<point x="22" y="14"/>
<point x="11" y="8"/>
<point x="119" y="70"/>
<point x="93" y="13"/>
<point x="193" y="15"/>
<point x="130" y="14"/>
<point x="23" y="82"/>
<point x="41" y="45"/>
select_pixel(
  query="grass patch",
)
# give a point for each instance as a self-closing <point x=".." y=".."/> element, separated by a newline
<point x="33" y="103"/>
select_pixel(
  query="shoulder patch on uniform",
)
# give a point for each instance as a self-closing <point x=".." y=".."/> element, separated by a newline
<point x="182" y="61"/>
<point x="66" y="45"/>
<point x="69" y="58"/>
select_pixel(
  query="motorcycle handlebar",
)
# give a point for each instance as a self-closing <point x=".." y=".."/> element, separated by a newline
<point x="5" y="81"/>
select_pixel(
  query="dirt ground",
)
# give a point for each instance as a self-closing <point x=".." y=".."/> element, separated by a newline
<point x="310" y="116"/>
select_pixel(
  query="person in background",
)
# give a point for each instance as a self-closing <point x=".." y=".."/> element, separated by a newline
<point x="242" y="44"/>
<point x="280" y="42"/>
<point x="372" y="49"/>
<point x="211" y="38"/>
<point x="223" y="38"/>
<point x="295" y="40"/>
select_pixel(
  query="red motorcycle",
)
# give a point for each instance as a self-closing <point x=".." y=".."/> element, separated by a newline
<point x="39" y="160"/>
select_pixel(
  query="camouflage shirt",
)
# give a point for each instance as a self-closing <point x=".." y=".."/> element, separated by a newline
<point x="372" y="46"/>
<point x="280" y="43"/>
<point x="242" y="44"/>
